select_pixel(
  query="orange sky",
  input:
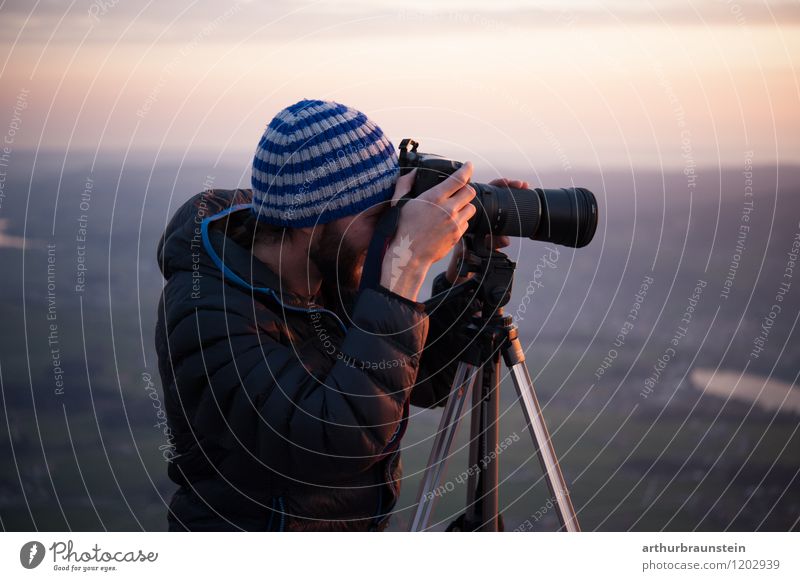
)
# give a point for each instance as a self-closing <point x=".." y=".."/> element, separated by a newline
<point x="537" y="83"/>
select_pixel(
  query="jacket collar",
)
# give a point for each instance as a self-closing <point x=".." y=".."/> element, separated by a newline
<point x="239" y="264"/>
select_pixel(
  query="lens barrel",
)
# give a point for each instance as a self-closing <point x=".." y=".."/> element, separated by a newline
<point x="565" y="216"/>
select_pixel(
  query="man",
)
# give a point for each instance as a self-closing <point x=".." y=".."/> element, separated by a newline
<point x="287" y="390"/>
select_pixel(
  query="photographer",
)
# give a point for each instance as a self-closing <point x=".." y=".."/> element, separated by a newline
<point x="286" y="388"/>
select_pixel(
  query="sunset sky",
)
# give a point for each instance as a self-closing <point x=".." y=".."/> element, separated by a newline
<point x="548" y="83"/>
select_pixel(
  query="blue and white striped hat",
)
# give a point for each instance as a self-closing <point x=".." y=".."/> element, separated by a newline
<point x="318" y="161"/>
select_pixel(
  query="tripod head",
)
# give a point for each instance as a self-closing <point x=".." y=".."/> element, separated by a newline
<point x="483" y="327"/>
<point x="490" y="286"/>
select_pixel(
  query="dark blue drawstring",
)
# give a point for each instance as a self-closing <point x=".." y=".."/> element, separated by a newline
<point x="273" y="510"/>
<point x="271" y="513"/>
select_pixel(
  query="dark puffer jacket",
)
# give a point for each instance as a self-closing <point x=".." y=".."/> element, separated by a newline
<point x="284" y="417"/>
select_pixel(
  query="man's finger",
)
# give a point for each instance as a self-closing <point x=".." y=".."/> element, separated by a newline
<point x="467" y="212"/>
<point x="462" y="197"/>
<point x="505" y="182"/>
<point x="452" y="184"/>
<point x="497" y="241"/>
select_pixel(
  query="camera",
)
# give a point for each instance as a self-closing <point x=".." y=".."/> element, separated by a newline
<point x="565" y="216"/>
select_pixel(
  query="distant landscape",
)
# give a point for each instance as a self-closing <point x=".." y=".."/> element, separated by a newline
<point x="667" y="375"/>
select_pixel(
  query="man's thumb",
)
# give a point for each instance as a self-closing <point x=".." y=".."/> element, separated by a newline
<point x="403" y="185"/>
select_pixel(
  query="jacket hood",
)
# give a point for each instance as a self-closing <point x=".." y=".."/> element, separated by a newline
<point x="180" y="246"/>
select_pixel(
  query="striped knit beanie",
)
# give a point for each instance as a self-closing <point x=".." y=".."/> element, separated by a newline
<point x="318" y="161"/>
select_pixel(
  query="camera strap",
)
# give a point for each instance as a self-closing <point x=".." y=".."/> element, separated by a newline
<point x="384" y="232"/>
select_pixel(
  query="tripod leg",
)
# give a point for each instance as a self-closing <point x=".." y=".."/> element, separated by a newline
<point x="544" y="447"/>
<point x="490" y="474"/>
<point x="448" y="426"/>
<point x="473" y="484"/>
<point x="482" y="486"/>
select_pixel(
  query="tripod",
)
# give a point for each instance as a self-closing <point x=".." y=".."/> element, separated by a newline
<point x="478" y="373"/>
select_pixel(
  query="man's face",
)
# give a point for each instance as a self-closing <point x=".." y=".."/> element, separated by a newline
<point x="342" y="247"/>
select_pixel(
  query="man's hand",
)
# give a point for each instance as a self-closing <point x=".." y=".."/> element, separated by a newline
<point x="499" y="242"/>
<point x="430" y="225"/>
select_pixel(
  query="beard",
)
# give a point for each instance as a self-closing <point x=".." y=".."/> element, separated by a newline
<point x="340" y="266"/>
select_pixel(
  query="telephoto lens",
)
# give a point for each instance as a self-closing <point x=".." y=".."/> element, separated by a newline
<point x="566" y="216"/>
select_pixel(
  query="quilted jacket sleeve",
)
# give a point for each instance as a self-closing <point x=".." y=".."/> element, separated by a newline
<point x="348" y="420"/>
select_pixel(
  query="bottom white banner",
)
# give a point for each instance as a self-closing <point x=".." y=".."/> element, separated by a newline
<point x="398" y="555"/>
